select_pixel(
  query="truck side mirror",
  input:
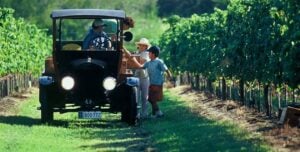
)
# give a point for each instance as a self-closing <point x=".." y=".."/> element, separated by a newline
<point x="128" y="36"/>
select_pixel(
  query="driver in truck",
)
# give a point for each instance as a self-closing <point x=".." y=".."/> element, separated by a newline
<point x="96" y="39"/>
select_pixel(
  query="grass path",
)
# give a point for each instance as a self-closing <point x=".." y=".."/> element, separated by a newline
<point x="179" y="130"/>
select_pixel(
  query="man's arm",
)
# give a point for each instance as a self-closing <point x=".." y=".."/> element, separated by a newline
<point x="126" y="52"/>
<point x="132" y="59"/>
<point x="85" y="43"/>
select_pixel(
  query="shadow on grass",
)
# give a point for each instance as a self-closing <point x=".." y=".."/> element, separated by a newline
<point x="28" y="121"/>
<point x="100" y="135"/>
<point x="19" y="120"/>
<point x="115" y="135"/>
<point x="183" y="130"/>
<point x="124" y="140"/>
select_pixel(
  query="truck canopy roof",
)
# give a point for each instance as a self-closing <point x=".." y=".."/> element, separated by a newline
<point x="87" y="13"/>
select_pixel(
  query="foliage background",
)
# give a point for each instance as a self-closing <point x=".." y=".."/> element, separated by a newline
<point x="239" y="43"/>
<point x="228" y="38"/>
<point x="144" y="12"/>
<point x="23" y="46"/>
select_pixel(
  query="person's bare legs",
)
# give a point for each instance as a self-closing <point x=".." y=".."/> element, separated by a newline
<point x="155" y="107"/>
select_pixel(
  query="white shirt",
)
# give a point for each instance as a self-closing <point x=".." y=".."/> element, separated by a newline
<point x="143" y="73"/>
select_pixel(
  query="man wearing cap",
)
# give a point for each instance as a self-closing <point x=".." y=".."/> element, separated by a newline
<point x="96" y="39"/>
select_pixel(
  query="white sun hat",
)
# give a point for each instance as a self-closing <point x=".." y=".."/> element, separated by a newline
<point x="143" y="41"/>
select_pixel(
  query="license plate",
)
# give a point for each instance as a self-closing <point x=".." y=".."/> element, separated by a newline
<point x="89" y="114"/>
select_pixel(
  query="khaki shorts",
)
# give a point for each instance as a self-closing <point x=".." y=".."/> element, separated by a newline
<point x="155" y="93"/>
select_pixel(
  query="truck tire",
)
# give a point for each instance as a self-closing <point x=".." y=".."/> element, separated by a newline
<point x="129" y="114"/>
<point x="46" y="109"/>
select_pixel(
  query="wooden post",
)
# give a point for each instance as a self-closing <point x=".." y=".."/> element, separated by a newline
<point x="188" y="78"/>
<point x="271" y="100"/>
<point x="178" y="81"/>
<point x="200" y="82"/>
<point x="7" y="86"/>
<point x="181" y="79"/>
<point x="286" y="95"/>
<point x="1" y="88"/>
<point x="258" y="100"/>
<point x="233" y="91"/>
<point x="279" y="99"/>
<point x="266" y="101"/>
<point x="209" y="86"/>
<point x="218" y="87"/>
<point x="294" y="99"/>
<point x="192" y="80"/>
<point x="230" y="91"/>
<point x="224" y="89"/>
<point x="197" y="82"/>
<point x="242" y="95"/>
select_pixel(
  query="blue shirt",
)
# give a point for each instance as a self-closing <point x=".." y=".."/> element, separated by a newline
<point x="156" y="69"/>
<point x="95" y="39"/>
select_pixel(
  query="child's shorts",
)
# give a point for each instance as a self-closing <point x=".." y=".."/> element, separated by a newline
<point x="155" y="93"/>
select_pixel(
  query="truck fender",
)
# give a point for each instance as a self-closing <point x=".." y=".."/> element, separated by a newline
<point x="46" y="80"/>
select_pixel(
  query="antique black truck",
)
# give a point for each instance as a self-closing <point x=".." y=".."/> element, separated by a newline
<point x="87" y="81"/>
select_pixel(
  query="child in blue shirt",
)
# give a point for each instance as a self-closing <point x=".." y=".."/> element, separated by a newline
<point x="156" y="69"/>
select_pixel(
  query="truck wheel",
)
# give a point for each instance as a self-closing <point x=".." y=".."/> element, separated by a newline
<point x="46" y="114"/>
<point x="46" y="110"/>
<point x="129" y="114"/>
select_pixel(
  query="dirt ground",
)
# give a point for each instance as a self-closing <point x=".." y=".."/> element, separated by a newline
<point x="282" y="138"/>
<point x="8" y="105"/>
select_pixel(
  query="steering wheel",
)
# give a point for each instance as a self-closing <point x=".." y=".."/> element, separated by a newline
<point x="100" y="42"/>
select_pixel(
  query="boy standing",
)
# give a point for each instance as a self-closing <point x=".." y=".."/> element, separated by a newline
<point x="156" y="69"/>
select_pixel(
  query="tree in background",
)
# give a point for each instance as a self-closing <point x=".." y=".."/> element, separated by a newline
<point x="38" y="11"/>
<point x="144" y="13"/>
<point x="188" y="7"/>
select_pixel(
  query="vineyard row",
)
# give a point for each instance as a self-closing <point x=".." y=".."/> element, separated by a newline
<point x="251" y="42"/>
<point x="23" y="46"/>
<point x="265" y="100"/>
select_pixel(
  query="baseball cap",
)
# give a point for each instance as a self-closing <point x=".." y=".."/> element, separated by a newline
<point x="155" y="50"/>
<point x="98" y="22"/>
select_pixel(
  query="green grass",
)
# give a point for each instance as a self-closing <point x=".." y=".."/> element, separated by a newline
<point x="23" y="132"/>
<point x="179" y="130"/>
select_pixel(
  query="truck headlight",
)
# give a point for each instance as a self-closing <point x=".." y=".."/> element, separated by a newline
<point x="109" y="83"/>
<point x="67" y="82"/>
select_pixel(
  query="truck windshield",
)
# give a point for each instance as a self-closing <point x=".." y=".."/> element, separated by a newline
<point x="76" y="31"/>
